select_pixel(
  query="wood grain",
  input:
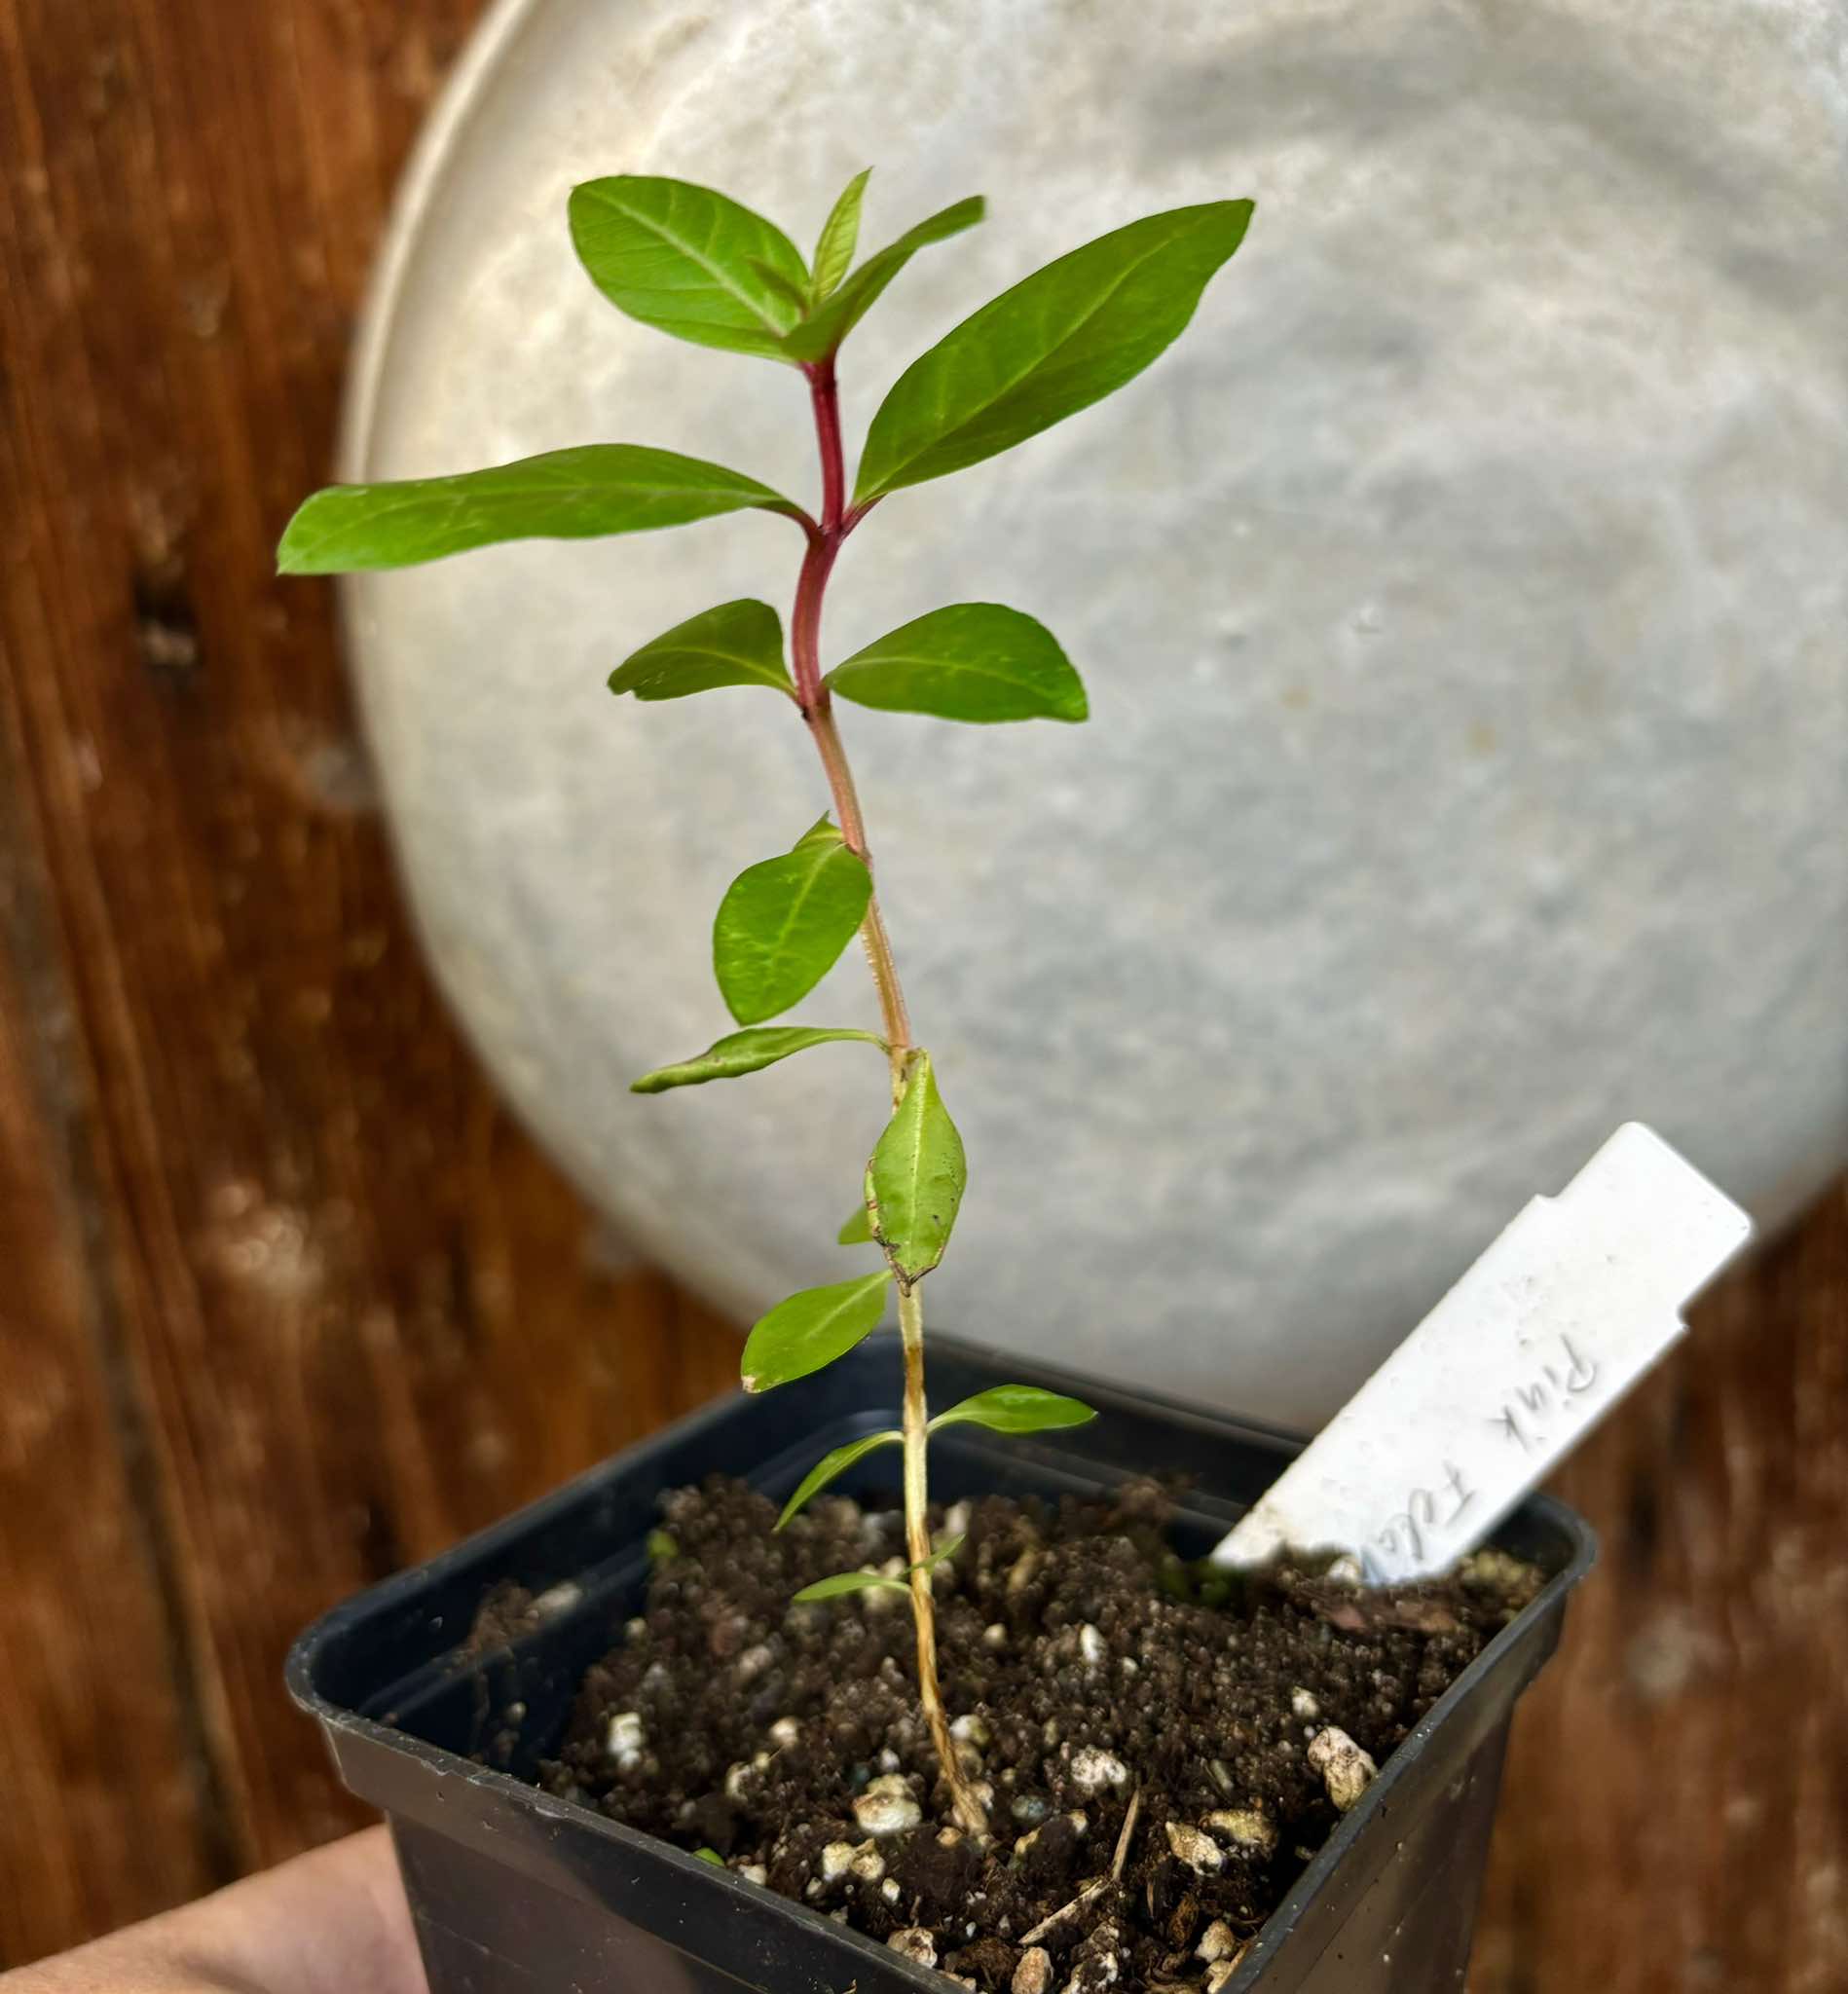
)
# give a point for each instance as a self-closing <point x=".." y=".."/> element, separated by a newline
<point x="285" y="1300"/>
<point x="295" y="1302"/>
<point x="1676" y="1814"/>
<point x="85" y="1573"/>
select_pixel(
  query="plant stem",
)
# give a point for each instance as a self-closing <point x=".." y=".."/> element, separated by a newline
<point x="964" y="1805"/>
<point x="817" y="703"/>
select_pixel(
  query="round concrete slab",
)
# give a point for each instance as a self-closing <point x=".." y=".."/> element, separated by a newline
<point x="1462" y="601"/>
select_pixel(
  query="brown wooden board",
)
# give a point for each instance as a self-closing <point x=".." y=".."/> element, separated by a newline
<point x="286" y="1300"/>
<point x="316" y="1306"/>
<point x="86" y="1586"/>
<point x="1676" y="1816"/>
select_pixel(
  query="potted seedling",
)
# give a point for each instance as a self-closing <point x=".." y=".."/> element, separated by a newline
<point x="771" y="1728"/>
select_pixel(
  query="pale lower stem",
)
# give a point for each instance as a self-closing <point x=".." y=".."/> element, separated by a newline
<point x="964" y="1805"/>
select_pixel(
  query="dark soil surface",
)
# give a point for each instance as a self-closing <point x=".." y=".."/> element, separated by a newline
<point x="1090" y="1672"/>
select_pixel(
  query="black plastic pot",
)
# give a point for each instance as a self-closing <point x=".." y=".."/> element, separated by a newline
<point x="517" y="1893"/>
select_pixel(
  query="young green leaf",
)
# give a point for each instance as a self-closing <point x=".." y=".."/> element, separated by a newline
<point x="945" y="1549"/>
<point x="832" y="322"/>
<point x="749" y="1052"/>
<point x="821" y="835"/>
<point x="1055" y="344"/>
<point x="737" y="643"/>
<point x="973" y="661"/>
<point x="916" y="1176"/>
<point x="1017" y="1409"/>
<point x="840" y="234"/>
<point x="849" y="1582"/>
<point x="711" y="1856"/>
<point x="689" y="261"/>
<point x="567" y="495"/>
<point x="811" y="1329"/>
<point x="794" y="295"/>
<point x="858" y="1230"/>
<point x="782" y="925"/>
<point x="837" y="1462"/>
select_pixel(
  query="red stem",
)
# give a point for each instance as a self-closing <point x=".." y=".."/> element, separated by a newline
<point x="818" y="706"/>
<point x="826" y="397"/>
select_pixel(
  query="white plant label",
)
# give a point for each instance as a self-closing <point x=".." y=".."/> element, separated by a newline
<point x="1568" y="1307"/>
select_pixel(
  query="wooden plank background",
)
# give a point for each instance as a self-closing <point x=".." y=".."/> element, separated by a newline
<point x="285" y="1300"/>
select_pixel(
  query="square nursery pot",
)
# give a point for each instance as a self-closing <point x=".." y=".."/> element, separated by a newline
<point x="515" y="1892"/>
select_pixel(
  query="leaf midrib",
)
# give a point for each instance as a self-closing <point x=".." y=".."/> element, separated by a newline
<point x="701" y="258"/>
<point x="849" y="1301"/>
<point x="442" y="493"/>
<point x="1043" y="359"/>
<point x="772" y="675"/>
<point x="870" y="660"/>
<point x="803" y="894"/>
<point x="912" y="1163"/>
<point x="440" y="490"/>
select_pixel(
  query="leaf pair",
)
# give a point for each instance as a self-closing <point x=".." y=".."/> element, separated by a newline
<point x="972" y="661"/>
<point x="913" y="1189"/>
<point x="698" y="265"/>
<point x="694" y="263"/>
<point x="1003" y="1409"/>
<point x="784" y="923"/>
<point x="914" y="1185"/>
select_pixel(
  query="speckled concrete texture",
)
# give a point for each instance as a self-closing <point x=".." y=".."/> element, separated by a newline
<point x="1463" y="604"/>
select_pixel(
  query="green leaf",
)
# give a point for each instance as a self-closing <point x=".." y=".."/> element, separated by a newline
<point x="689" y="261"/>
<point x="837" y="1462"/>
<point x="1017" y="1409"/>
<point x="566" y="494"/>
<point x="661" y="1549"/>
<point x="849" y="1582"/>
<point x="840" y="234"/>
<point x="858" y="1230"/>
<point x="973" y="661"/>
<point x="794" y="294"/>
<point x="915" y="1179"/>
<point x="749" y="1052"/>
<point x="782" y="925"/>
<point x="820" y="835"/>
<point x="945" y="1549"/>
<point x="737" y="643"/>
<point x="1055" y="344"/>
<point x="830" y="322"/>
<point x="811" y="1329"/>
<point x="711" y="1856"/>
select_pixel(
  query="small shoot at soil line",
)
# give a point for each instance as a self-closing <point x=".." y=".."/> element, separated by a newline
<point x="695" y="264"/>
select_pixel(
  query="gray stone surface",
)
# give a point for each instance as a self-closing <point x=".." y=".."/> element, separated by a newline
<point x="1463" y="605"/>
